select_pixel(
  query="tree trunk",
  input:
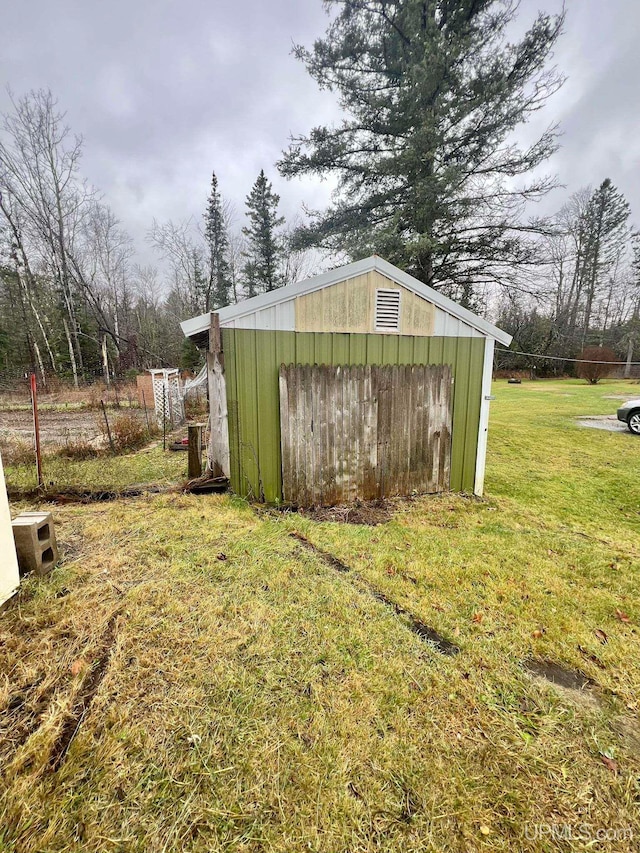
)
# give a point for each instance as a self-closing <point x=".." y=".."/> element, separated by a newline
<point x="105" y="360"/>
<point x="72" y="356"/>
<point x="631" y="341"/>
<point x="40" y="364"/>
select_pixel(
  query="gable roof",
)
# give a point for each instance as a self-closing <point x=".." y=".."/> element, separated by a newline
<point x="197" y="325"/>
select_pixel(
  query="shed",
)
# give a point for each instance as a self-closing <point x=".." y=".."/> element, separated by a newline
<point x="361" y="382"/>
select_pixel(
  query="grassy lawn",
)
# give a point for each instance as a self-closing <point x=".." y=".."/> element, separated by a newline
<point x="150" y="465"/>
<point x="193" y="677"/>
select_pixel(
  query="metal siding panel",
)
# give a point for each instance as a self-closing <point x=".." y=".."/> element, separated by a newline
<point x="464" y="356"/>
<point x="450" y="355"/>
<point x="374" y="349"/>
<point x="229" y="350"/>
<point x="483" y="425"/>
<point x="280" y="317"/>
<point x="268" y="438"/>
<point x="304" y="347"/>
<point x="357" y="349"/>
<point x="324" y="348"/>
<point x="405" y="350"/>
<point x="248" y="412"/>
<point x="474" y="398"/>
<point x="390" y="349"/>
<point x="448" y="326"/>
<point x="252" y="360"/>
<point x="421" y="350"/>
<point x="285" y="316"/>
<point x="340" y="348"/>
<point x="436" y="351"/>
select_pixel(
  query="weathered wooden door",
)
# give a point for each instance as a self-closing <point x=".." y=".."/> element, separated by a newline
<point x="364" y="432"/>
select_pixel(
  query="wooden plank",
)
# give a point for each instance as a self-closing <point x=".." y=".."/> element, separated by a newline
<point x="369" y="434"/>
<point x="285" y="433"/>
<point x="356" y="448"/>
<point x="331" y="455"/>
<point x="429" y="421"/>
<point x="194" y="454"/>
<point x="318" y="383"/>
<point x="344" y="437"/>
<point x="293" y="386"/>
<point x="447" y="404"/>
<point x="359" y="432"/>
<point x="218" y="451"/>
<point x="308" y="436"/>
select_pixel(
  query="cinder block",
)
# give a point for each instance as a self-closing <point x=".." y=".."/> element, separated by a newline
<point x="35" y="541"/>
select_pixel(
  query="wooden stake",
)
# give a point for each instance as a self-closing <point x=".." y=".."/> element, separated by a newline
<point x="194" y="468"/>
<point x="36" y="429"/>
<point x="218" y="460"/>
<point x="104" y="412"/>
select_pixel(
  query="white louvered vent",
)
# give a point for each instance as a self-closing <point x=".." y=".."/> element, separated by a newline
<point x="387" y="311"/>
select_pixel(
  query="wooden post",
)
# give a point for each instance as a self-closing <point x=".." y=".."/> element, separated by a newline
<point x="218" y="455"/>
<point x="36" y="428"/>
<point x="194" y="468"/>
<point x="164" y="416"/>
<point x="106" y="420"/>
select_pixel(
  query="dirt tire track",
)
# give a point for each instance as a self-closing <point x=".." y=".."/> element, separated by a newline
<point x="89" y="689"/>
<point x="425" y="632"/>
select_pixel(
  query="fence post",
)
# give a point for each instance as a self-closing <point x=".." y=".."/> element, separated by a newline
<point x="36" y="428"/>
<point x="194" y="467"/>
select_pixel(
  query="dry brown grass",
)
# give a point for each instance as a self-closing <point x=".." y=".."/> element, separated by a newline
<point x="196" y="407"/>
<point x="59" y="395"/>
<point x="129" y="432"/>
<point x="18" y="452"/>
<point x="79" y="449"/>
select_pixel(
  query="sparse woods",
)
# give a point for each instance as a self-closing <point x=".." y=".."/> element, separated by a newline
<point x="73" y="304"/>
<point x="586" y="294"/>
<point x="434" y="170"/>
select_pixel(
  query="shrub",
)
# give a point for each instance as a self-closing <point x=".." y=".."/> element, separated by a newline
<point x="18" y="453"/>
<point x="128" y="432"/>
<point x="196" y="407"/>
<point x="593" y="373"/>
<point x="78" y="449"/>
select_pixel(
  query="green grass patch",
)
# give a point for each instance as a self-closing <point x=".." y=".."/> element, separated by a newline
<point x="253" y="698"/>
<point x="107" y="472"/>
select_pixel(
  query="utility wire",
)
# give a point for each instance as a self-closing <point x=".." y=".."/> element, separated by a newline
<point x="563" y="358"/>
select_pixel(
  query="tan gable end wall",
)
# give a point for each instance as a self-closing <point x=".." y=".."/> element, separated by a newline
<point x="349" y="306"/>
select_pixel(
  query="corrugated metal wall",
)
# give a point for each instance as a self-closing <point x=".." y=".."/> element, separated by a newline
<point x="253" y="358"/>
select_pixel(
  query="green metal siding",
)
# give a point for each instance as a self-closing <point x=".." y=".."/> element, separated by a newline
<point x="253" y="358"/>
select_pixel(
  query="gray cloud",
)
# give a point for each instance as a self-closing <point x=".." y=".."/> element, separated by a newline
<point x="164" y="92"/>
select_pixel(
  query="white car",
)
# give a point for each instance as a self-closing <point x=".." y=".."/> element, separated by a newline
<point x="629" y="412"/>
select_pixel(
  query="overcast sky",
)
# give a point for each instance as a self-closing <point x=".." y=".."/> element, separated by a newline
<point x="163" y="92"/>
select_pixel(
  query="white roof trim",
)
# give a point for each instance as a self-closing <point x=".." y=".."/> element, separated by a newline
<point x="200" y="324"/>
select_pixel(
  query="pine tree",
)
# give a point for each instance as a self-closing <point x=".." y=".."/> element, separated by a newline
<point x="218" y="288"/>
<point x="427" y="165"/>
<point x="608" y="235"/>
<point x="264" y="247"/>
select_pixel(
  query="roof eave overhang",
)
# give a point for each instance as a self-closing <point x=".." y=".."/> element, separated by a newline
<point x="197" y="327"/>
